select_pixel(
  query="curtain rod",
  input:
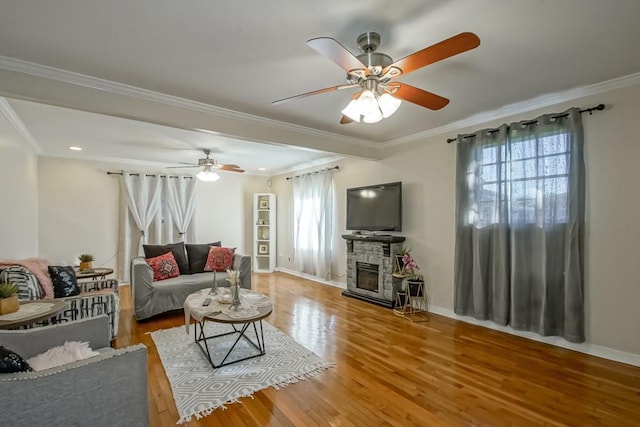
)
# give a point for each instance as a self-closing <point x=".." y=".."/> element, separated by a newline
<point x="151" y="174"/>
<point x="309" y="173"/>
<point x="590" y="110"/>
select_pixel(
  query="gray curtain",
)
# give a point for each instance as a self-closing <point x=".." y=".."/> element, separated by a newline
<point x="520" y="225"/>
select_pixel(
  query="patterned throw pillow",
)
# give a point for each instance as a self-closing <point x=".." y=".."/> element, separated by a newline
<point x="64" y="281"/>
<point x="164" y="266"/>
<point x="219" y="259"/>
<point x="28" y="286"/>
<point x="12" y="362"/>
<point x="177" y="249"/>
<point x="198" y="254"/>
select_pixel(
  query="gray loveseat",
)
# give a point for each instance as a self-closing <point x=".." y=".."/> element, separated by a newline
<point x="154" y="297"/>
<point x="105" y="390"/>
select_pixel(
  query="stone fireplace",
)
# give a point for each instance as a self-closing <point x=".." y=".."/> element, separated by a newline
<point x="370" y="263"/>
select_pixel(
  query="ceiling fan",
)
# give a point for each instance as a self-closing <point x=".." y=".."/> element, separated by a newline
<point x="375" y="73"/>
<point x="208" y="165"/>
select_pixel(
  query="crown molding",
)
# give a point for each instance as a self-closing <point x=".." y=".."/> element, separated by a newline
<point x="57" y="74"/>
<point x="522" y="107"/>
<point x="13" y="118"/>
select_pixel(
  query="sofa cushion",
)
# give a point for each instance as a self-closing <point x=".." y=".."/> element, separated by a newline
<point x="64" y="281"/>
<point x="177" y="249"/>
<point x="219" y="259"/>
<point x="12" y="362"/>
<point x="164" y="266"/>
<point x="197" y="254"/>
<point x="28" y="286"/>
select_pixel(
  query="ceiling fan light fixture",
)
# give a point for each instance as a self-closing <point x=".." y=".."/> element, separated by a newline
<point x="373" y="117"/>
<point x="367" y="103"/>
<point x="388" y="104"/>
<point x="207" y="175"/>
<point x="352" y="110"/>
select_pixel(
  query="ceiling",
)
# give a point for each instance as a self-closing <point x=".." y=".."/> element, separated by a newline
<point x="156" y="81"/>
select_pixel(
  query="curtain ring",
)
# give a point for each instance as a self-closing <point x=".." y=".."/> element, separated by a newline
<point x="142" y="233"/>
<point x="180" y="233"/>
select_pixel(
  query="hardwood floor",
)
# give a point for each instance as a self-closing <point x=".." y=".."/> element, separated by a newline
<point x="392" y="372"/>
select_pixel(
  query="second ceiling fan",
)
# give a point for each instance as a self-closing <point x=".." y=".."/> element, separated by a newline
<point x="208" y="165"/>
<point x="375" y="73"/>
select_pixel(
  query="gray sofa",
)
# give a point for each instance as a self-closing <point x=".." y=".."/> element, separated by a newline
<point x="105" y="390"/>
<point x="151" y="298"/>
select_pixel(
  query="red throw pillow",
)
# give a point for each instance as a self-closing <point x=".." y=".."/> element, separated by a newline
<point x="219" y="259"/>
<point x="163" y="266"/>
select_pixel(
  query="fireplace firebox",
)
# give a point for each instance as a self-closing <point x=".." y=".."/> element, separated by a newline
<point x="367" y="276"/>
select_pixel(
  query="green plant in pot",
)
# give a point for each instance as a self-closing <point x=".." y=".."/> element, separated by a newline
<point x="9" y="298"/>
<point x="86" y="262"/>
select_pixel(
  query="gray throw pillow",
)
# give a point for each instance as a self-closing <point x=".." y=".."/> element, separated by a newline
<point x="198" y="254"/>
<point x="177" y="249"/>
<point x="65" y="283"/>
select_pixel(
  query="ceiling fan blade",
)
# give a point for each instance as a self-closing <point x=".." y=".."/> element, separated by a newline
<point x="186" y="165"/>
<point x="439" y="51"/>
<point x="420" y="97"/>
<point x="330" y="48"/>
<point x="315" y="92"/>
<point x="230" y="168"/>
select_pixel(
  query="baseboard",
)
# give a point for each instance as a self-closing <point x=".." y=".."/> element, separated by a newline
<point x="313" y="278"/>
<point x="591" y="349"/>
<point x="586" y="348"/>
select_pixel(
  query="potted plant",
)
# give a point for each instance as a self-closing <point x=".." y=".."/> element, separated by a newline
<point x="399" y="269"/>
<point x="9" y="298"/>
<point x="414" y="279"/>
<point x="86" y="262"/>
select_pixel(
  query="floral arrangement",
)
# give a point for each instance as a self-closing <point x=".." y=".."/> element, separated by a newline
<point x="409" y="265"/>
<point x="233" y="277"/>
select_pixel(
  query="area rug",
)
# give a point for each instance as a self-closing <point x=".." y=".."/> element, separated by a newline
<point x="198" y="389"/>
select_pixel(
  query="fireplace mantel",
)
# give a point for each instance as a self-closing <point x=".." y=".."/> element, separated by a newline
<point x="384" y="238"/>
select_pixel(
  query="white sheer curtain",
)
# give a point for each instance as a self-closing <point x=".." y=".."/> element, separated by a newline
<point x="140" y="197"/>
<point x="154" y="209"/>
<point x="180" y="198"/>
<point x="313" y="223"/>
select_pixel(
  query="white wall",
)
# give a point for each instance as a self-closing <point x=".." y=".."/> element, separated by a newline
<point x="18" y="195"/>
<point x="427" y="170"/>
<point x="78" y="212"/>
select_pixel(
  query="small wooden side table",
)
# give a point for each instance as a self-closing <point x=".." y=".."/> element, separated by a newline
<point x="52" y="309"/>
<point x="94" y="273"/>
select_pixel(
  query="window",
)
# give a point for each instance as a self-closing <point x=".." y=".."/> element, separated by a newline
<point x="524" y="181"/>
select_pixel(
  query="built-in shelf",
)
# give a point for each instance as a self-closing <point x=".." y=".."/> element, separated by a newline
<point x="264" y="232"/>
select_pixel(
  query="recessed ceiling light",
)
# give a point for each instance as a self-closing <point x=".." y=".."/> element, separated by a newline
<point x="75" y="148"/>
<point x="262" y="169"/>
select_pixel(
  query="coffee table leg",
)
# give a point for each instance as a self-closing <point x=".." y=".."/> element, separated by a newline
<point x="201" y="340"/>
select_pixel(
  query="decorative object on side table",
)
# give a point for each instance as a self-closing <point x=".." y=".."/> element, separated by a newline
<point x="86" y="262"/>
<point x="9" y="298"/>
<point x="235" y="289"/>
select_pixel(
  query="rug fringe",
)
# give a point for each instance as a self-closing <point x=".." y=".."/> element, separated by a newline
<point x="278" y="386"/>
<point x="303" y="377"/>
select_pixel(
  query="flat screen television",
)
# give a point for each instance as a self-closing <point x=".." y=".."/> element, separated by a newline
<point x="375" y="207"/>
